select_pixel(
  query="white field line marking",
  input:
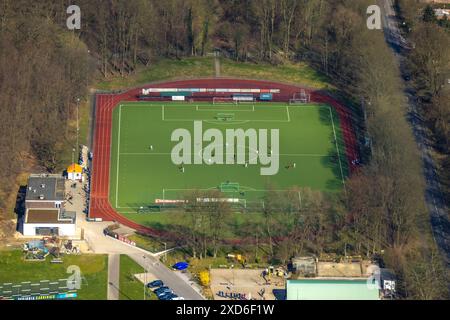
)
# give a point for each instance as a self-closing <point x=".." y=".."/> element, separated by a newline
<point x="232" y="122"/>
<point x="203" y="189"/>
<point x="208" y="108"/>
<point x="168" y="153"/>
<point x="224" y="110"/>
<point x="248" y="120"/>
<point x="250" y="189"/>
<point x="337" y="147"/>
<point x="235" y="110"/>
<point x="162" y="109"/>
<point x="118" y="157"/>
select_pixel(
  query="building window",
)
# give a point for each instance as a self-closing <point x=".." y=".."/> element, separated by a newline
<point x="46" y="231"/>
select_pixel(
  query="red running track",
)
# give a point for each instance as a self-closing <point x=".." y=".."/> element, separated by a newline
<point x="105" y="103"/>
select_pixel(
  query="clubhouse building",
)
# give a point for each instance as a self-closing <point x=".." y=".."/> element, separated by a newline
<point x="44" y="207"/>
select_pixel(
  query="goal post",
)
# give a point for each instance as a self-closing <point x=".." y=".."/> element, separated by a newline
<point x="224" y="100"/>
<point x="300" y="97"/>
<point x="229" y="187"/>
<point x="224" y="116"/>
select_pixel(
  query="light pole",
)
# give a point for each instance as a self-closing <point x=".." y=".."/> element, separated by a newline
<point x="165" y="251"/>
<point x="232" y="272"/>
<point x="78" y="127"/>
<point x="146" y="268"/>
<point x="145" y="274"/>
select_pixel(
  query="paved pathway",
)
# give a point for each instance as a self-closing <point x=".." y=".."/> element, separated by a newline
<point x="217" y="64"/>
<point x="113" y="276"/>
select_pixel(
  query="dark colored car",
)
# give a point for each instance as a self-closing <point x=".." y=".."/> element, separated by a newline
<point x="155" y="284"/>
<point x="162" y="290"/>
<point x="162" y="295"/>
<point x="167" y="296"/>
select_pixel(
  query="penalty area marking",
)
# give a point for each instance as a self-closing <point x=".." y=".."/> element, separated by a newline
<point x="223" y="110"/>
<point x="288" y="118"/>
<point x="247" y="190"/>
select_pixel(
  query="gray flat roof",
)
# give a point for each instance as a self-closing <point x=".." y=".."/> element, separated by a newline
<point x="45" y="187"/>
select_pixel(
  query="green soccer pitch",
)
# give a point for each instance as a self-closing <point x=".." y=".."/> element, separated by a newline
<point x="142" y="170"/>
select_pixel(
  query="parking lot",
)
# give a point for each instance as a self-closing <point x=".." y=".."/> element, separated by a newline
<point x="163" y="292"/>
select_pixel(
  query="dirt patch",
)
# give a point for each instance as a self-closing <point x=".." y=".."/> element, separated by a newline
<point x="352" y="269"/>
<point x="244" y="281"/>
<point x="7" y="230"/>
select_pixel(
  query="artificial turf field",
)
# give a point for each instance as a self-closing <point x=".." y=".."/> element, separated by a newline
<point x="310" y="137"/>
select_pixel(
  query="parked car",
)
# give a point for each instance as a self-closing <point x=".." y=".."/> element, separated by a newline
<point x="155" y="284"/>
<point x="164" y="295"/>
<point x="177" y="298"/>
<point x="160" y="289"/>
<point x="163" y="291"/>
<point x="167" y="296"/>
<point x="180" y="265"/>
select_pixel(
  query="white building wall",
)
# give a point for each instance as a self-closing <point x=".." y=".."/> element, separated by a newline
<point x="65" y="229"/>
<point x="75" y="176"/>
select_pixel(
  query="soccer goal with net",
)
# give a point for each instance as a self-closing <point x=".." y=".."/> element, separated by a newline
<point x="300" y="98"/>
<point x="224" y="100"/>
<point x="225" y="116"/>
<point x="229" y="187"/>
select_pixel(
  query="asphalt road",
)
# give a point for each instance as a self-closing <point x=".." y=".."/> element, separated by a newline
<point x="434" y="197"/>
<point x="170" y="279"/>
<point x="100" y="243"/>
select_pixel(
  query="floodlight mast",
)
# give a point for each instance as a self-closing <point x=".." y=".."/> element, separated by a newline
<point x="78" y="127"/>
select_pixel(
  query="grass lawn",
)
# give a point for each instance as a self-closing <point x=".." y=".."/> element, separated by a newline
<point x="164" y="221"/>
<point x="94" y="269"/>
<point x="65" y="157"/>
<point x="164" y="69"/>
<point x="297" y="73"/>
<point x="197" y="67"/>
<point x="147" y="243"/>
<point x="130" y="287"/>
<point x="140" y="176"/>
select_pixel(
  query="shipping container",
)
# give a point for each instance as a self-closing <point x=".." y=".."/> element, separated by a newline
<point x="265" y="97"/>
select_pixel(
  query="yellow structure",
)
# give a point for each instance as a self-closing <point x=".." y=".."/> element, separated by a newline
<point x="238" y="257"/>
<point x="75" y="172"/>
